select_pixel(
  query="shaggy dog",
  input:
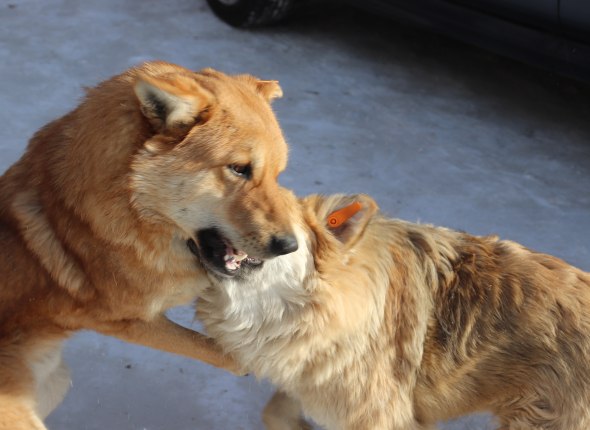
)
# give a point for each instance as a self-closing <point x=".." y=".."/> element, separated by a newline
<point x="95" y="218"/>
<point x="384" y="324"/>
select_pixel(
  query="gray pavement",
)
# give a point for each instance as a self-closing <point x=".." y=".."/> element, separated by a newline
<point x="435" y="130"/>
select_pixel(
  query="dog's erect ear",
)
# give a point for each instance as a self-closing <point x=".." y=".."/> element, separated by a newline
<point x="270" y="90"/>
<point x="352" y="212"/>
<point x="172" y="101"/>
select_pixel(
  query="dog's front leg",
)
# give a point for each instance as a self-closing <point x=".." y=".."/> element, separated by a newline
<point x="165" y="335"/>
<point x="283" y="412"/>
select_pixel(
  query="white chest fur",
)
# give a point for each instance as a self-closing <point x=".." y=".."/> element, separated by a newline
<point x="254" y="319"/>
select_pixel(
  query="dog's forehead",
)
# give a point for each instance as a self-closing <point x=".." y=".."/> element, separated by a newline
<point x="245" y="122"/>
<point x="272" y="156"/>
<point x="260" y="136"/>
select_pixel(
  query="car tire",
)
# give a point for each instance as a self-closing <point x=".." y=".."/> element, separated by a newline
<point x="251" y="13"/>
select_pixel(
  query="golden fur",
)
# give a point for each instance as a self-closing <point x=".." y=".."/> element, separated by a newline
<point x="95" y="218"/>
<point x="385" y="324"/>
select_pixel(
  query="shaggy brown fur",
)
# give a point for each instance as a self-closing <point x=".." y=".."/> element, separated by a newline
<point x="385" y="324"/>
<point x="95" y="217"/>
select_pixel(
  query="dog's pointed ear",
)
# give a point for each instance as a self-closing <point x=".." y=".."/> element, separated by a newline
<point x="346" y="216"/>
<point x="172" y="101"/>
<point x="270" y="90"/>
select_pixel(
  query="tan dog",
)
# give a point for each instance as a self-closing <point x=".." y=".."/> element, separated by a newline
<point x="384" y="324"/>
<point x="95" y="218"/>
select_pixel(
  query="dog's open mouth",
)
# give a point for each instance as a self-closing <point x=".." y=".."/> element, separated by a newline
<point x="218" y="254"/>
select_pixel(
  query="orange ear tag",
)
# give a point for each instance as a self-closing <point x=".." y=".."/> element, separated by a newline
<point x="339" y="217"/>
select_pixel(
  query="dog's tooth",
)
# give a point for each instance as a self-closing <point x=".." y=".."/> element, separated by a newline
<point x="231" y="265"/>
<point x="241" y="255"/>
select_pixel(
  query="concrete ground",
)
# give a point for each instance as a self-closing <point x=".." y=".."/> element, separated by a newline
<point x="437" y="131"/>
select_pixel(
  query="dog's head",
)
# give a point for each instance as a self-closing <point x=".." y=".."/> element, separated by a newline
<point x="323" y="254"/>
<point x="211" y="164"/>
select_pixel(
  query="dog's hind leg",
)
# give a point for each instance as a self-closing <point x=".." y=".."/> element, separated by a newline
<point x="52" y="379"/>
<point x="577" y="421"/>
<point x="536" y="412"/>
<point x="18" y="413"/>
<point x="33" y="381"/>
<point x="283" y="413"/>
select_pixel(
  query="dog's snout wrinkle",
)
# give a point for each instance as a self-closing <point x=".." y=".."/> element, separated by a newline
<point x="281" y="245"/>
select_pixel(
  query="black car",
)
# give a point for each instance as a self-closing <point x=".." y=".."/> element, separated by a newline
<point x="553" y="34"/>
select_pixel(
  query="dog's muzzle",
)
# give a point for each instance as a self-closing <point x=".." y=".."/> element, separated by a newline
<point x="218" y="255"/>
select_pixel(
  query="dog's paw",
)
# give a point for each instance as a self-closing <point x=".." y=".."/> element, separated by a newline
<point x="232" y="366"/>
<point x="239" y="371"/>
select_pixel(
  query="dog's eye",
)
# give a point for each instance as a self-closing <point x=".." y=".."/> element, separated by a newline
<point x="243" y="170"/>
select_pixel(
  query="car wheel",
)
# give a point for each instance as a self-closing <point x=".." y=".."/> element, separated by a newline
<point x="251" y="13"/>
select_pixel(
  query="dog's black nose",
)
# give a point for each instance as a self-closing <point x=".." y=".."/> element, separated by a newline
<point x="281" y="245"/>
